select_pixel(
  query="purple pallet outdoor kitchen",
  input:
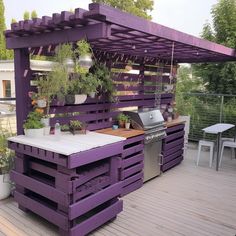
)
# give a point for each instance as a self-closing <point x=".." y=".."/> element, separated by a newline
<point x="73" y="182"/>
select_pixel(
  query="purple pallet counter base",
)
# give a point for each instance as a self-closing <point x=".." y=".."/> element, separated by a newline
<point x="77" y="194"/>
<point x="132" y="164"/>
<point x="172" y="148"/>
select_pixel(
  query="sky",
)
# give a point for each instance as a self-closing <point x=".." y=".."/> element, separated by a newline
<point x="187" y="16"/>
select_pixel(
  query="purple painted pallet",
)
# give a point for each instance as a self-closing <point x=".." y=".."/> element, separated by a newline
<point x="172" y="163"/>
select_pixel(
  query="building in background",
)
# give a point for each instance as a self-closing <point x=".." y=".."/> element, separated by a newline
<point x="7" y="84"/>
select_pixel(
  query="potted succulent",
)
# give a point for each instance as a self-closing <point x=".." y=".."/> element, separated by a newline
<point x="6" y="163"/>
<point x="85" y="54"/>
<point x="122" y="120"/>
<point x="77" y="127"/>
<point x="33" y="126"/>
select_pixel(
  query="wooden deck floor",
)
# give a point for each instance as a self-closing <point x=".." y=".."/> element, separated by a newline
<point x="187" y="200"/>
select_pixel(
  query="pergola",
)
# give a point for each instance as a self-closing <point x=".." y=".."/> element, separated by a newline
<point x="116" y="37"/>
<point x="113" y="31"/>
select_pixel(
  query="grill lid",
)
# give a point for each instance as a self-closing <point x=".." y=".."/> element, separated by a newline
<point x="146" y="119"/>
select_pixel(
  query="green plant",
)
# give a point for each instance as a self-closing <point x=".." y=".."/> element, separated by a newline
<point x="103" y="74"/>
<point x="123" y="118"/>
<point x="75" y="124"/>
<point x="33" y="121"/>
<point x="83" y="48"/>
<point x="63" y="52"/>
<point x="6" y="156"/>
<point x="65" y="128"/>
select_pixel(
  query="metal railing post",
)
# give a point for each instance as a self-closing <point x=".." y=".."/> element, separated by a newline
<point x="221" y="107"/>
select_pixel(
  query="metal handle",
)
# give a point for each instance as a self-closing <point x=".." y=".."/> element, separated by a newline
<point x="161" y="160"/>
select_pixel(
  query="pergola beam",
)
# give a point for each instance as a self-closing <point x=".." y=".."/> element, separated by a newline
<point x="116" y="16"/>
<point x="90" y="32"/>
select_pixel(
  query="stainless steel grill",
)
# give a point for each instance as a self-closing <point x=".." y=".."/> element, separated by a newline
<point x="152" y="122"/>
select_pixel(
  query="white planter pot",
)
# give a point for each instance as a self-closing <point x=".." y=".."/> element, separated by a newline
<point x="45" y="121"/>
<point x="92" y="94"/>
<point x="85" y="61"/>
<point x="34" y="133"/>
<point x="42" y="103"/>
<point x="46" y="130"/>
<point x="127" y="125"/>
<point x="80" y="98"/>
<point x="5" y="186"/>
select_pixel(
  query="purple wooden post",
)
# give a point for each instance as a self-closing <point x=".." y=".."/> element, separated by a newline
<point x="22" y="86"/>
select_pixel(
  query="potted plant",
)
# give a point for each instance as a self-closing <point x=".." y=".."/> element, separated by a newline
<point x="84" y="51"/>
<point x="91" y="85"/>
<point x="6" y="163"/>
<point x="76" y="92"/>
<point x="77" y="127"/>
<point x="122" y="119"/>
<point x="65" y="128"/>
<point x="127" y="122"/>
<point x="33" y="126"/>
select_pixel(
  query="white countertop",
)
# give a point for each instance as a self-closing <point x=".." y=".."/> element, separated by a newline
<point x="218" y="128"/>
<point x="68" y="144"/>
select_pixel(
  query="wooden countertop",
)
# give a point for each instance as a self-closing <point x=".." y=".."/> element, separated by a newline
<point x="174" y="123"/>
<point x="126" y="133"/>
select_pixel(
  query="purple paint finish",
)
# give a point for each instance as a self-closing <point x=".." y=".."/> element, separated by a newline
<point x="169" y="158"/>
<point x="49" y="214"/>
<point x="93" y="201"/>
<point x="132" y="187"/>
<point x="95" y="154"/>
<point x="40" y="188"/>
<point x="172" y="163"/>
<point x="132" y="170"/>
<point x="97" y="220"/>
<point x="132" y="160"/>
<point x="133" y="150"/>
<point x="174" y="136"/>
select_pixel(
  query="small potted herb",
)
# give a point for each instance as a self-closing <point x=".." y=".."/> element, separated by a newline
<point x="6" y="163"/>
<point x="33" y="126"/>
<point x="122" y="119"/>
<point x="65" y="128"/>
<point x="77" y="127"/>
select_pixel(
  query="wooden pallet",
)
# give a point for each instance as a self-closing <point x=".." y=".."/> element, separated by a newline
<point x="77" y="193"/>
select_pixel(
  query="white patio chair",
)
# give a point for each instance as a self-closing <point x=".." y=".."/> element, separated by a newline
<point x="230" y="144"/>
<point x="209" y="144"/>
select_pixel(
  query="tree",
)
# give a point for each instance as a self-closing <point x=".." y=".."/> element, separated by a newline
<point x="26" y="15"/>
<point x="140" y="8"/>
<point x="34" y="14"/>
<point x="13" y="20"/>
<point x="220" y="77"/>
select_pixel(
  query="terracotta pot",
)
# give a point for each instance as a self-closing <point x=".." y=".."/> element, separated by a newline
<point x="121" y="124"/>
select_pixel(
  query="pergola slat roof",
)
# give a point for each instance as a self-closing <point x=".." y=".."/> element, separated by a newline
<point x="114" y="31"/>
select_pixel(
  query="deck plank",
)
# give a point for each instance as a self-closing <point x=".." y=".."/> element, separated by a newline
<point x="186" y="200"/>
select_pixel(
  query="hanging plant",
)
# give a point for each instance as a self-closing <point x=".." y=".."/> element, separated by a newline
<point x="84" y="51"/>
<point x="103" y="74"/>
